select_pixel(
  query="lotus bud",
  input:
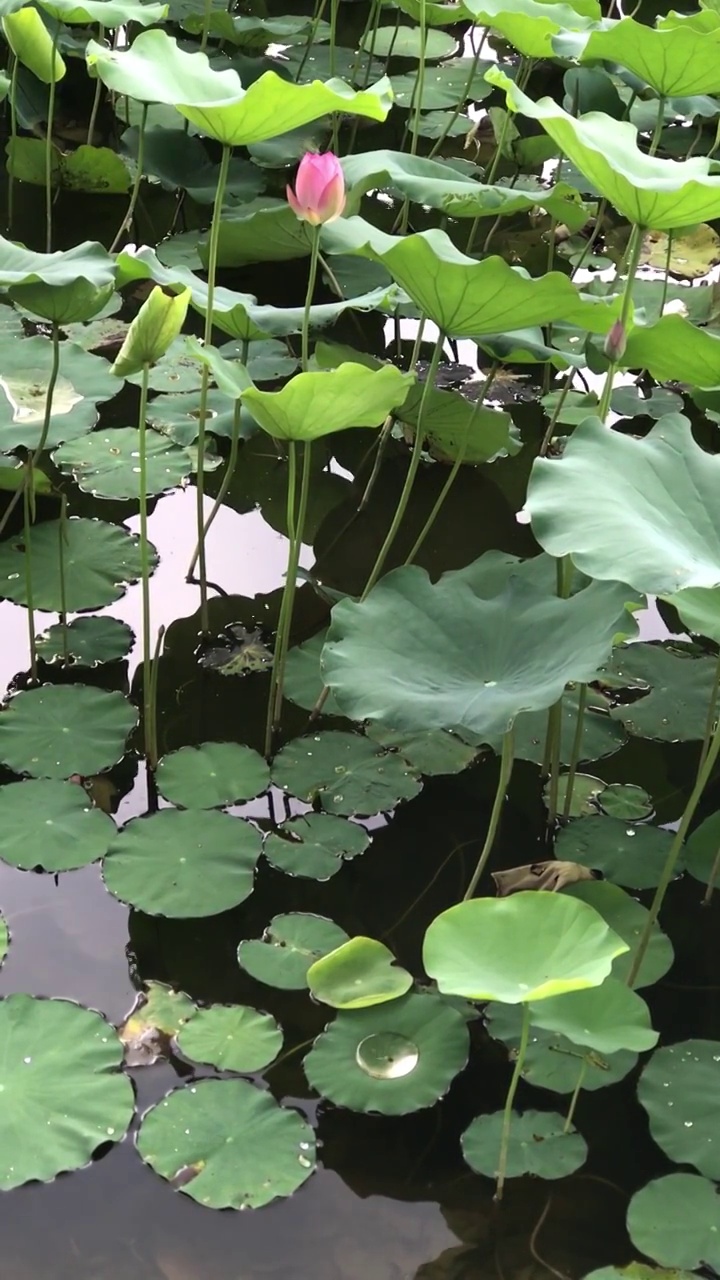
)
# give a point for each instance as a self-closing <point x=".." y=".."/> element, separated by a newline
<point x="615" y="342"/>
<point x="319" y="194"/>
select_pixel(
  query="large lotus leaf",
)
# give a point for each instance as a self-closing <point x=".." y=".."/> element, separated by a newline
<point x="155" y="69"/>
<point x="661" y="194"/>
<point x="539" y="1145"/>
<point x="212" y="775"/>
<point x="423" y="655"/>
<point x="52" y="825"/>
<point x="227" y="1144"/>
<point x="289" y="946"/>
<point x="177" y="415"/>
<point x="96" y="170"/>
<point x="57" y="730"/>
<point x="552" y="1061"/>
<point x="109" y="13"/>
<point x="530" y="946"/>
<point x="435" y="15"/>
<point x="32" y="44"/>
<point x="606" y="1018"/>
<point x="315" y="845"/>
<point x="464" y="297"/>
<point x="625" y="853"/>
<point x="231" y="1037"/>
<point x="432" y="752"/>
<point x="702" y="848"/>
<point x="180" y="160"/>
<point x="676" y="1221"/>
<point x="106" y="463"/>
<point x="85" y="642"/>
<point x="156" y="1016"/>
<point x="347" y="773"/>
<point x="679" y="1090"/>
<point x="358" y="974"/>
<point x="182" y="863"/>
<point x="601" y="736"/>
<point x="699" y="609"/>
<point x="393" y="1058"/>
<point x="676" y="62"/>
<point x="456" y="81"/>
<point x="84" y="380"/>
<point x="675" y="349"/>
<point x="627" y="917"/>
<point x="263" y="230"/>
<point x="273" y="106"/>
<point x="530" y="25"/>
<point x="60" y="273"/>
<point x="63" y="1094"/>
<point x="99" y="560"/>
<point x="393" y="39"/>
<point x="675" y="688"/>
<point x="645" y="511"/>
<point x="312" y="405"/>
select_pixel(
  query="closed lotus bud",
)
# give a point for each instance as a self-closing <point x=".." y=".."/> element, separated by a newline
<point x="319" y="194"/>
<point x="616" y="342"/>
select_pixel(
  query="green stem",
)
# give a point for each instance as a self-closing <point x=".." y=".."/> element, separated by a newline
<point x="521" y="80"/>
<point x="419" y="87"/>
<point x="13" y="141"/>
<point x="291" y="585"/>
<point x="213" y="243"/>
<point x="666" y="277"/>
<point x="315" y="23"/>
<point x="510" y="1098"/>
<point x="711" y="717"/>
<point x="49" y="147"/>
<point x="506" y="764"/>
<point x="714" y="873"/>
<point x="464" y="95"/>
<point x="550" y="432"/>
<point x="576" y="749"/>
<point x="229" y="470"/>
<point x="635" y="250"/>
<point x="576" y="1094"/>
<point x="62" y="539"/>
<point x="130" y="211"/>
<point x="657" y="131"/>
<point x="154" y="675"/>
<point x="97" y="95"/>
<point x="314" y="253"/>
<point x="27" y="534"/>
<point x="552" y="750"/>
<point x="47" y="415"/>
<point x="207" y="14"/>
<point x="150" y="746"/>
<point x="412" y="469"/>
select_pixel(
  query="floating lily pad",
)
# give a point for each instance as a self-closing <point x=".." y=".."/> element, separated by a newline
<point x="601" y="735"/>
<point x="431" y="753"/>
<point x="538" y="1145"/>
<point x="314" y="845"/>
<point x="51" y="825"/>
<point x="107" y="463"/>
<point x="227" y="1144"/>
<point x="212" y="775"/>
<point x="637" y="1271"/>
<point x="605" y="1018"/>
<point x="552" y="1061"/>
<point x="529" y="946"/>
<point x="347" y="773"/>
<point x="100" y="560"/>
<point x="84" y="381"/>
<point x="675" y="691"/>
<point x="676" y="1221"/>
<point x="701" y="849"/>
<point x="393" y="1058"/>
<point x="177" y="415"/>
<point x="627" y="917"/>
<point x="585" y="792"/>
<point x="63" y="1094"/>
<point x="303" y="681"/>
<point x="626" y="854"/>
<point x="231" y="1037"/>
<point x="357" y="974"/>
<point x="57" y="730"/>
<point x="182" y="863"/>
<point x="626" y="801"/>
<point x="289" y="946"/>
<point x="157" y="1015"/>
<point x="88" y="642"/>
<point x="679" y="1090"/>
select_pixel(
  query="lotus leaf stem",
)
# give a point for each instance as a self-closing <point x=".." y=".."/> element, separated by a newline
<point x="575" y="749"/>
<point x="49" y="145"/>
<point x="463" y="97"/>
<point x="419" y="86"/>
<point x="13" y="140"/>
<point x="506" y="764"/>
<point x="97" y="96"/>
<point x="62" y="539"/>
<point x="207" y="16"/>
<point x="712" y="879"/>
<point x="314" y="24"/>
<point x="47" y="414"/>
<point x="510" y="1098"/>
<point x="576" y="1094"/>
<point x="635" y="245"/>
<point x="154" y="676"/>
<point x="712" y="711"/>
<point x="150" y="744"/>
<point x="229" y="470"/>
<point x="130" y="211"/>
<point x="27" y="560"/>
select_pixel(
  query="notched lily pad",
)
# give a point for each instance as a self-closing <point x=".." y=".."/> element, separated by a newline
<point x="676" y="1221"/>
<point x="211" y="776"/>
<point x="99" y="561"/>
<point x="58" y="730"/>
<point x="51" y="825"/>
<point x="538" y="1145"/>
<point x="315" y="845"/>
<point x="288" y="947"/>
<point x="107" y="463"/>
<point x="626" y="853"/>
<point x="345" y="772"/>
<point x="231" y="1037"/>
<point x="86" y="642"/>
<point x="672" y="691"/>
<point x="679" y="1090"/>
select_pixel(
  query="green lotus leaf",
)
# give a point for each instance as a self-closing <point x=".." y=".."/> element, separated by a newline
<point x="303" y="681"/>
<point x="626" y="854"/>
<point x="314" y="845"/>
<point x="661" y="194"/>
<point x="180" y="161"/>
<point x="227" y="1144"/>
<point x="627" y="917"/>
<point x="63" y="1093"/>
<point x="155" y="69"/>
<point x="625" y="800"/>
<point x="530" y="946"/>
<point x="264" y="230"/>
<point x="289" y="946"/>
<point x="177" y="416"/>
<point x="212" y="775"/>
<point x="50" y="825"/>
<point x="606" y="1018"/>
<point x="676" y="1221"/>
<point x="637" y="1271"/>
<point x="57" y="730"/>
<point x="83" y="382"/>
<point x="358" y="974"/>
<point x="702" y="847"/>
<point x="109" y="13"/>
<point x="601" y="736"/>
<point x="454" y="82"/>
<point x="252" y="32"/>
<point x="86" y="642"/>
<point x="676" y="62"/>
<point x="675" y="689"/>
<point x="99" y="561"/>
<point x="643" y="510"/>
<point x="538" y="1145"/>
<point x="431" y="753"/>
<point x="156" y="1016"/>
<point x="181" y="863"/>
<point x="106" y="463"/>
<point x="466" y="663"/>
<point x="32" y="44"/>
<point x="394" y="1058"/>
<point x="63" y="287"/>
<point x="155" y="327"/>
<point x="436" y="15"/>
<point x="312" y="405"/>
<point x="586" y="789"/>
<point x="400" y="41"/>
<point x="699" y="609"/>
<point x="531" y="25"/>
<point x="347" y="773"/>
<point x="94" y="170"/>
<point x="230" y="1037"/>
<point x="678" y="1089"/>
<point x="674" y="343"/>
<point x="552" y="1061"/>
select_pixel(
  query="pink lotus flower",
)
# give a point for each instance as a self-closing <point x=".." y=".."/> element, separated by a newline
<point x="616" y="342"/>
<point x="319" y="194"/>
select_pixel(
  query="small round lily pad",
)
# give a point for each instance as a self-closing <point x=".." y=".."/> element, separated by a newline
<point x="552" y="1061"/>
<point x="679" y="1090"/>
<point x="227" y="1144"/>
<point x="86" y="642"/>
<point x="676" y="1221"/>
<point x="58" y="730"/>
<point x="627" y="854"/>
<point x="288" y="947"/>
<point x="347" y="772"/>
<point x="434" y="752"/>
<point x="359" y="973"/>
<point x="107" y="463"/>
<point x="586" y="790"/>
<point x="99" y="561"/>
<point x="212" y="775"/>
<point x="52" y="825"/>
<point x="538" y="1145"/>
<point x="701" y="849"/>
<point x="231" y="1037"/>
<point x="393" y="1058"/>
<point x="626" y="801"/>
<point x="183" y="863"/>
<point x="314" y="845"/>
